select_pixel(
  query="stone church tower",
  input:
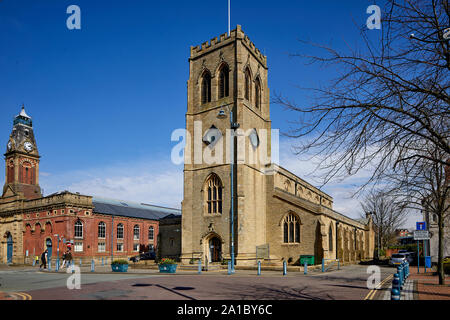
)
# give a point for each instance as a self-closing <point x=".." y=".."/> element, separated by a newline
<point x="227" y="76"/>
<point x="22" y="160"/>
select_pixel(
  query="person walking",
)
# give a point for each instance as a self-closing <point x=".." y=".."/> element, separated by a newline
<point x="68" y="258"/>
<point x="36" y="258"/>
<point x="64" y="257"/>
<point x="43" y="260"/>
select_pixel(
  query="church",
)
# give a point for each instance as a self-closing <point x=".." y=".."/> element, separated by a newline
<point x="237" y="204"/>
<point x="243" y="204"/>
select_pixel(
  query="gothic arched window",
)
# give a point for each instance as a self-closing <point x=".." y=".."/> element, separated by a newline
<point x="248" y="84"/>
<point x="291" y="229"/>
<point x="102" y="230"/>
<point x="257" y="93"/>
<point x="78" y="229"/>
<point x="330" y="239"/>
<point x="214" y="194"/>
<point x="120" y="231"/>
<point x="206" y="87"/>
<point x="223" y="82"/>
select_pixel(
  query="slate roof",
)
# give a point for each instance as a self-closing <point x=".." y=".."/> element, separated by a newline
<point x="132" y="209"/>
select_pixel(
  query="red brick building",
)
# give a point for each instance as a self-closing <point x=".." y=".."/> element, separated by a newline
<point x="91" y="227"/>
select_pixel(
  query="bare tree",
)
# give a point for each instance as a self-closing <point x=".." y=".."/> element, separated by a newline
<point x="389" y="103"/>
<point x="425" y="185"/>
<point x="388" y="215"/>
<point x="389" y="94"/>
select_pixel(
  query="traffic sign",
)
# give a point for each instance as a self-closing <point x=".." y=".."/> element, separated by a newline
<point x="421" y="225"/>
<point x="421" y="235"/>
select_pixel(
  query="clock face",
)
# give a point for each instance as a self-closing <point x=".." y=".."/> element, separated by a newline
<point x="28" y="146"/>
<point x="9" y="146"/>
<point x="254" y="139"/>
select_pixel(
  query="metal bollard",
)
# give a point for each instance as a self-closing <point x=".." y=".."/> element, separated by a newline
<point x="229" y="267"/>
<point x="103" y="262"/>
<point x="395" y="294"/>
<point x="400" y="277"/>
<point x="323" y="265"/>
<point x="339" y="264"/>
<point x="396" y="282"/>
<point x="284" y="268"/>
<point x="73" y="266"/>
<point x="34" y="262"/>
<point x="199" y="266"/>
<point x="49" y="265"/>
<point x="305" y="268"/>
<point x="80" y="262"/>
<point x="92" y="265"/>
<point x="259" y="268"/>
<point x="57" y="266"/>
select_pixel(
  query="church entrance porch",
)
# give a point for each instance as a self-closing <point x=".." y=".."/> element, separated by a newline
<point x="215" y="246"/>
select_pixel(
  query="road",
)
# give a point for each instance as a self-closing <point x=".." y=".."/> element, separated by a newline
<point x="349" y="283"/>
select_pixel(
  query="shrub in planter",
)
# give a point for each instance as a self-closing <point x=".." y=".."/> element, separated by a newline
<point x="120" y="265"/>
<point x="167" y="265"/>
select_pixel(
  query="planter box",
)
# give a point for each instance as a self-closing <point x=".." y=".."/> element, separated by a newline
<point x="167" y="268"/>
<point x="119" y="267"/>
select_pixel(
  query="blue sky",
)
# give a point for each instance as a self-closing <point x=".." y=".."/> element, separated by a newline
<point x="105" y="99"/>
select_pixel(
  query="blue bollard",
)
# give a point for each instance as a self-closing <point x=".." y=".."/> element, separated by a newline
<point x="284" y="268"/>
<point x="305" y="268"/>
<point x="396" y="282"/>
<point x="34" y="262"/>
<point x="339" y="265"/>
<point x="199" y="266"/>
<point x="323" y="265"/>
<point x="49" y="265"/>
<point x="103" y="262"/>
<point x="229" y="267"/>
<point x="57" y="266"/>
<point x="395" y="294"/>
<point x="400" y="277"/>
<point x="80" y="262"/>
<point x="259" y="268"/>
<point x="92" y="265"/>
<point x="73" y="266"/>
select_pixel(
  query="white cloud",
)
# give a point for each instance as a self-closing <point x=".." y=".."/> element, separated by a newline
<point x="150" y="181"/>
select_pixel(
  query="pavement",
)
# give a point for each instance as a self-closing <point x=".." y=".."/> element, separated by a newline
<point x="348" y="283"/>
<point x="419" y="286"/>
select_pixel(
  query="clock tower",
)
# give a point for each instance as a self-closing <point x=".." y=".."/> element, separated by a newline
<point x="22" y="160"/>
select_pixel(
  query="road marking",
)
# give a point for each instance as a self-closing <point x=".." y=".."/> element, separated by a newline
<point x="372" y="292"/>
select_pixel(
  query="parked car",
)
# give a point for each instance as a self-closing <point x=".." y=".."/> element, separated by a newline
<point x="398" y="258"/>
<point x="150" y="255"/>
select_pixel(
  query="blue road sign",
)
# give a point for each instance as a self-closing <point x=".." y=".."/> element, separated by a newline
<point x="421" y="225"/>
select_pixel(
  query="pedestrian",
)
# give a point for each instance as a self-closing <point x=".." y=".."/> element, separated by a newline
<point x="69" y="258"/>
<point x="36" y="258"/>
<point x="43" y="260"/>
<point x="64" y="257"/>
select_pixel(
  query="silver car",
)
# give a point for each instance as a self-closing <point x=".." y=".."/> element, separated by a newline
<point x="398" y="258"/>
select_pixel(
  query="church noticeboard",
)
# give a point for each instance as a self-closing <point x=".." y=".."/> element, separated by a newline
<point x="262" y="252"/>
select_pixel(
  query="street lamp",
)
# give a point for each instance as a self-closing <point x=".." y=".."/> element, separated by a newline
<point x="57" y="251"/>
<point x="233" y="126"/>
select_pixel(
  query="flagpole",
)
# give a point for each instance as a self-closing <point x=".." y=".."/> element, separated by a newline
<point x="228" y="17"/>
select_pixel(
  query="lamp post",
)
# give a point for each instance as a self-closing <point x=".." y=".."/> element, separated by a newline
<point x="233" y="126"/>
<point x="57" y="251"/>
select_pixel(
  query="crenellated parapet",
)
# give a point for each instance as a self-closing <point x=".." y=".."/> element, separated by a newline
<point x="224" y="39"/>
